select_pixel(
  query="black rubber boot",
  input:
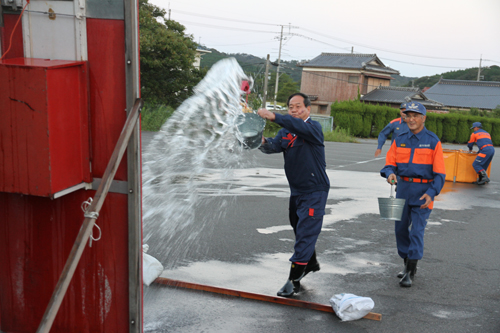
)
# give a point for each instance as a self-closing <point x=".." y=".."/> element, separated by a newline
<point x="483" y="178"/>
<point x="479" y="180"/>
<point x="411" y="268"/>
<point x="312" y="265"/>
<point x="292" y="285"/>
<point x="402" y="273"/>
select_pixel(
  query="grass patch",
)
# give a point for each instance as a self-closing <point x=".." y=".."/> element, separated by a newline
<point x="153" y="116"/>
<point x="339" y="135"/>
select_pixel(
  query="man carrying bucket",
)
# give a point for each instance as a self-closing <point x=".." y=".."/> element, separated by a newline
<point x="485" y="154"/>
<point x="301" y="142"/>
<point x="416" y="157"/>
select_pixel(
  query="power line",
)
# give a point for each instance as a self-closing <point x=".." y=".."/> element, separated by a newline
<point x="340" y="39"/>
<point x="327" y="36"/>
<point x="224" y="18"/>
<point x="227" y="28"/>
<point x="246" y="43"/>
<point x="404" y="62"/>
<point x="385" y="50"/>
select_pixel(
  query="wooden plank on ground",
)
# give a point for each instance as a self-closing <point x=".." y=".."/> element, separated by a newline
<point x="259" y="297"/>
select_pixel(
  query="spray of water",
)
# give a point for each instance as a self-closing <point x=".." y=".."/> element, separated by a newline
<point x="199" y="140"/>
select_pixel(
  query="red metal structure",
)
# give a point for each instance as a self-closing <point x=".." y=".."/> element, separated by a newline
<point x="67" y="84"/>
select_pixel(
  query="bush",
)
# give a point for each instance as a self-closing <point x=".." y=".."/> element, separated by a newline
<point x="366" y="129"/>
<point x="379" y="121"/>
<point x="362" y="119"/>
<point x="439" y="127"/>
<point x="356" y="124"/>
<point x="430" y="123"/>
<point x="342" y="120"/>
<point x="351" y="122"/>
<point x="339" y="135"/>
<point x="495" y="132"/>
<point x="367" y="120"/>
<point x="487" y="125"/>
<point x="463" y="131"/>
<point x="153" y="116"/>
<point x="450" y="128"/>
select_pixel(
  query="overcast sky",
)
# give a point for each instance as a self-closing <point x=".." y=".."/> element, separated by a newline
<point x="417" y="38"/>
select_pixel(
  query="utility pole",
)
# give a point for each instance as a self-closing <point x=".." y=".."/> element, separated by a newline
<point x="169" y="11"/>
<point x="479" y="69"/>
<point x="278" y="70"/>
<point x="265" y="83"/>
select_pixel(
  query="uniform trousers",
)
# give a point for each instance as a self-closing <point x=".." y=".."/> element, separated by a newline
<point x="410" y="230"/>
<point x="306" y="218"/>
<point x="483" y="159"/>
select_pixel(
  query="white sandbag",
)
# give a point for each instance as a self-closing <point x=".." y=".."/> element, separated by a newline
<point x="151" y="267"/>
<point x="351" y="307"/>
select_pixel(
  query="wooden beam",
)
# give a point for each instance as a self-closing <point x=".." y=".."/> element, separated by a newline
<point x="259" y="297"/>
<point x="88" y="223"/>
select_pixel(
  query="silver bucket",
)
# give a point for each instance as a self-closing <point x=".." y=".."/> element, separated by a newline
<point x="250" y="128"/>
<point x="391" y="208"/>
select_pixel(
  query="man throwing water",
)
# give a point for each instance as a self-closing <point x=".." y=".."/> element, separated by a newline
<point x="301" y="142"/>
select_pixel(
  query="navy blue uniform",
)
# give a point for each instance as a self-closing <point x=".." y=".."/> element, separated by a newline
<point x="486" y="151"/>
<point x="301" y="143"/>
<point x="417" y="159"/>
<point x="396" y="127"/>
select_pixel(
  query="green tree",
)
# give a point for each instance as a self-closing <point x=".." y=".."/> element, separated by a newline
<point x="167" y="56"/>
<point x="286" y="87"/>
<point x="491" y="73"/>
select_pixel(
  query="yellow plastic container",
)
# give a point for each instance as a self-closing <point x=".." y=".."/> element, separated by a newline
<point x="458" y="165"/>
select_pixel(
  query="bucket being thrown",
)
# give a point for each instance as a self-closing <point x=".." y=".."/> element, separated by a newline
<point x="250" y="128"/>
<point x="391" y="208"/>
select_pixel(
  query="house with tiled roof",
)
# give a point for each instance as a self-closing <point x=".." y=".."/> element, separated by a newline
<point x="334" y="77"/>
<point x="464" y="94"/>
<point x="394" y="96"/>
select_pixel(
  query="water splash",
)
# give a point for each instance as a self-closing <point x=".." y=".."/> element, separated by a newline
<point x="199" y="138"/>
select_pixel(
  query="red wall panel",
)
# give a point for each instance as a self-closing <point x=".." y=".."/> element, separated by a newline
<point x="106" y="53"/>
<point x="35" y="243"/>
<point x="37" y="234"/>
<point x="17" y="49"/>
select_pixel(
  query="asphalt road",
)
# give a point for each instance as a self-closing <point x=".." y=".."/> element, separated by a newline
<point x="244" y="243"/>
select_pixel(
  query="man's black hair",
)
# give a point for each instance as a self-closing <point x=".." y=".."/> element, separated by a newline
<point x="307" y="101"/>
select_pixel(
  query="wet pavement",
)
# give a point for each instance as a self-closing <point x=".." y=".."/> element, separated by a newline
<point x="247" y="245"/>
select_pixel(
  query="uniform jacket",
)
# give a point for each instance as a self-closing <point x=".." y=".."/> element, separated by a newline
<point x="304" y="152"/>
<point x="396" y="126"/>
<point x="481" y="138"/>
<point x="417" y="156"/>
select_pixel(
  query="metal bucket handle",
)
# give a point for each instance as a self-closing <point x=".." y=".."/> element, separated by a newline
<point x="392" y="187"/>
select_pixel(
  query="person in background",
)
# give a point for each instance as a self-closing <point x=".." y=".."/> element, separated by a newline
<point x="416" y="158"/>
<point x="395" y="127"/>
<point x="485" y="154"/>
<point x="302" y="143"/>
